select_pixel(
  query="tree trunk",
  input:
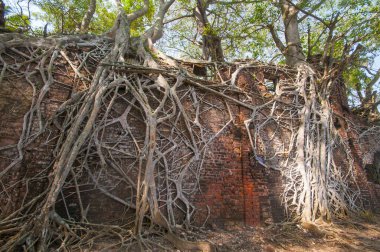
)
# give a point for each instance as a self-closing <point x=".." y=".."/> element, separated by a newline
<point x="293" y="52"/>
<point x="2" y="14"/>
<point x="88" y="16"/>
<point x="211" y="43"/>
<point x="212" y="47"/>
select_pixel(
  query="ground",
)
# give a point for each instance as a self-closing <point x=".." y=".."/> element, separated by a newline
<point x="354" y="234"/>
<point x="344" y="235"/>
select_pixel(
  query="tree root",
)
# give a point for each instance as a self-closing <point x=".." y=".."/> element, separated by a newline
<point x="146" y="130"/>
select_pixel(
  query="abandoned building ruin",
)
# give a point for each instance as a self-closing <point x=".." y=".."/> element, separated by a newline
<point x="227" y="184"/>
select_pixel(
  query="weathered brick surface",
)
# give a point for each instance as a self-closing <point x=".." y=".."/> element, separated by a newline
<point x="348" y="132"/>
<point x="376" y="194"/>
<point x="234" y="188"/>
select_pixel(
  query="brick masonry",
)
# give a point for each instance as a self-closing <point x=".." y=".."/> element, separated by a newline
<point x="359" y="150"/>
<point x="234" y="188"/>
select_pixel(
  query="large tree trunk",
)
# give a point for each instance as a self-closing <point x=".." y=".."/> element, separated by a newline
<point x="293" y="52"/>
<point x="2" y="14"/>
<point x="211" y="43"/>
<point x="88" y="16"/>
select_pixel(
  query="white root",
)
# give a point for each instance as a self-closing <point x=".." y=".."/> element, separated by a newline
<point x="157" y="156"/>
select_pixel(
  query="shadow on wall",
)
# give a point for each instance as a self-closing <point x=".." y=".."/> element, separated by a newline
<point x="373" y="170"/>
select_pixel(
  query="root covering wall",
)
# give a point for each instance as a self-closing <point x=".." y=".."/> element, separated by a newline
<point x="363" y="146"/>
<point x="233" y="187"/>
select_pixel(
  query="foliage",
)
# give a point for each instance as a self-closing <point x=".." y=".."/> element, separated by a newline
<point x="18" y="22"/>
<point x="64" y="15"/>
<point x="138" y="26"/>
<point x="104" y="17"/>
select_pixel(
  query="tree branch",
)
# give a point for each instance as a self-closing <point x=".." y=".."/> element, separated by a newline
<point x="276" y="39"/>
<point x="178" y="18"/>
<point x="376" y="77"/>
<point x="314" y="8"/>
<point x="155" y="32"/>
<point x="140" y="12"/>
<point x="308" y="13"/>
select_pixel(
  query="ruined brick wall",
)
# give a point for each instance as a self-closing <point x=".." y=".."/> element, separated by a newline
<point x="234" y="189"/>
<point x="370" y="149"/>
<point x="361" y="148"/>
<point x="12" y="108"/>
<point x="375" y="190"/>
<point x="16" y="96"/>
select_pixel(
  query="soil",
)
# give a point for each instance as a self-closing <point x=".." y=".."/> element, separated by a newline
<point x="344" y="235"/>
<point x="359" y="234"/>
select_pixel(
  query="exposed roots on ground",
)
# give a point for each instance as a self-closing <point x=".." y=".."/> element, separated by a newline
<point x="146" y="128"/>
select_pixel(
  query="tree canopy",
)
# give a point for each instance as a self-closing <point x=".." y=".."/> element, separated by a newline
<point x="281" y="31"/>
